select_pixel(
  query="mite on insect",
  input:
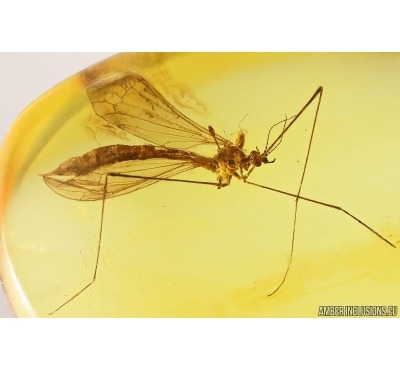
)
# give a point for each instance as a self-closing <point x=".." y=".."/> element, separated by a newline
<point x="133" y="105"/>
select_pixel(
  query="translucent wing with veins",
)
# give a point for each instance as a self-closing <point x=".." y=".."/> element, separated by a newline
<point x="135" y="106"/>
<point x="91" y="186"/>
<point x="130" y="103"/>
<point x="84" y="177"/>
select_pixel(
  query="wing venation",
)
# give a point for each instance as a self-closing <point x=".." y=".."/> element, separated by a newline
<point x="135" y="106"/>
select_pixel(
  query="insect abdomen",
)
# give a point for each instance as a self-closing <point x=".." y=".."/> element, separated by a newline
<point x="108" y="155"/>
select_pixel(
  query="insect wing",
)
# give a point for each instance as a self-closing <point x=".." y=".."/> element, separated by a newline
<point x="135" y="106"/>
<point x="92" y="185"/>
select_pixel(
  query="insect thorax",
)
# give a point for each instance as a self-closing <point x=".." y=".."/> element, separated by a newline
<point x="229" y="159"/>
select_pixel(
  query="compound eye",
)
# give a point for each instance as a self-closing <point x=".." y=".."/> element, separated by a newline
<point x="265" y="160"/>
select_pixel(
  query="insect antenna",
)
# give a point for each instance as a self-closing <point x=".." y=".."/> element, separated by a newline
<point x="281" y="136"/>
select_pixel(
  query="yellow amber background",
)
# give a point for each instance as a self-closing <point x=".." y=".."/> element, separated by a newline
<point x="184" y="250"/>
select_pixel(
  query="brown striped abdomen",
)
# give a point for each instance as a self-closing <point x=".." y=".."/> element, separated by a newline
<point x="107" y="155"/>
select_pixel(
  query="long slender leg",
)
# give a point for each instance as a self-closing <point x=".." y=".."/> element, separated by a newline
<point x="297" y="196"/>
<point x="318" y="93"/>
<point x="98" y="249"/>
<point x="102" y="217"/>
<point x="327" y="205"/>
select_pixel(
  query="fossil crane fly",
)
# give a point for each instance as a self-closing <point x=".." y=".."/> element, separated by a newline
<point x="133" y="105"/>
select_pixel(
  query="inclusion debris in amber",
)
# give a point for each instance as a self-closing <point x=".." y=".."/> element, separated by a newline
<point x="144" y="186"/>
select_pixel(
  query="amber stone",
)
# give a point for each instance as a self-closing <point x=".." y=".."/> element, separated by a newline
<point x="194" y="248"/>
